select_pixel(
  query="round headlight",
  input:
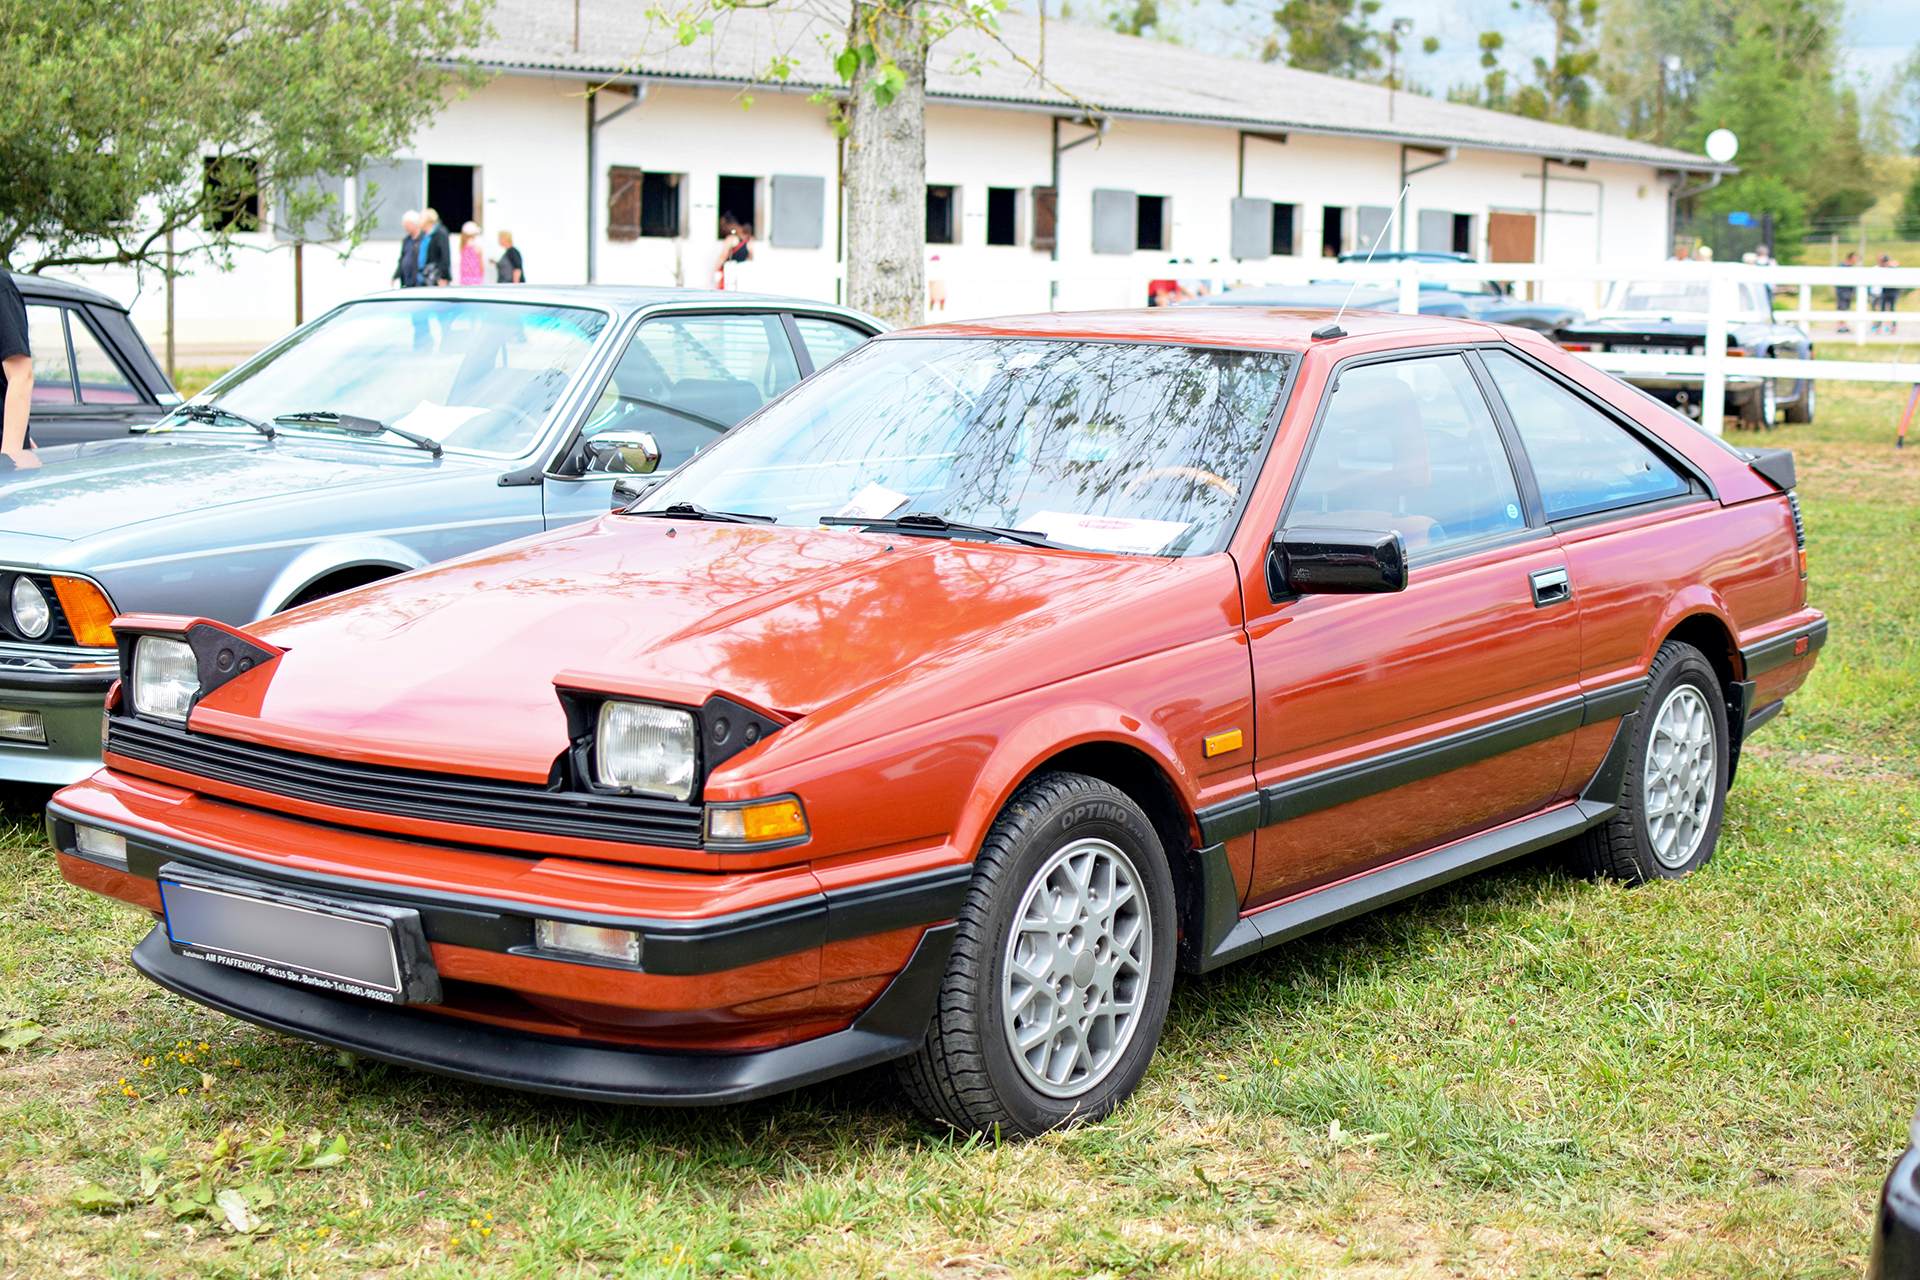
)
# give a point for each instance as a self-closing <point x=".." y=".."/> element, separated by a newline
<point x="641" y="747"/>
<point x="32" y="617"/>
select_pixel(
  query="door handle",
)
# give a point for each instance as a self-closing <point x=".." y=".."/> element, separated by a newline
<point x="1550" y="586"/>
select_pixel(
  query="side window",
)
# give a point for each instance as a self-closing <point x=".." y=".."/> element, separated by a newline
<point x="47" y="335"/>
<point x="1583" y="460"/>
<point x="1409" y="445"/>
<point x="99" y="378"/>
<point x="827" y="340"/>
<point x="687" y="379"/>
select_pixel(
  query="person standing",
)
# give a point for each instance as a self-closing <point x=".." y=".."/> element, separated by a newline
<point x="16" y="376"/>
<point x="736" y="248"/>
<point x="1886" y="298"/>
<point x="406" y="272"/>
<point x="473" y="267"/>
<point x="508" y="268"/>
<point x="436" y="257"/>
<point x="1843" y="294"/>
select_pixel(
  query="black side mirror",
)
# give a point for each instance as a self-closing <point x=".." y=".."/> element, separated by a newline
<point x="1336" y="562"/>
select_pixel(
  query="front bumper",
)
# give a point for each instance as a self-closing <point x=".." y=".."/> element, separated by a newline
<point x="893" y="1026"/>
<point x="70" y="702"/>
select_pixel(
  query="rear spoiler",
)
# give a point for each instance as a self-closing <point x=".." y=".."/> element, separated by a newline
<point x="1774" y="465"/>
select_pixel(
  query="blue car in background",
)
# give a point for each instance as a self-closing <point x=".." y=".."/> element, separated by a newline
<point x="390" y="433"/>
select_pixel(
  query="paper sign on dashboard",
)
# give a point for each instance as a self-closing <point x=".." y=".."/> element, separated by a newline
<point x="1105" y="533"/>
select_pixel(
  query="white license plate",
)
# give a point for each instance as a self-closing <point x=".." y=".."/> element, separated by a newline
<point x="363" y="949"/>
<point x="1636" y="349"/>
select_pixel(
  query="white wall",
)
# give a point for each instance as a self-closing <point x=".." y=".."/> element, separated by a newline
<point x="529" y="136"/>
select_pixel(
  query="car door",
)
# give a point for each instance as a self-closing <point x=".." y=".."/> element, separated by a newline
<point x="1621" y="509"/>
<point x="80" y="392"/>
<point x="684" y="378"/>
<point x="1389" y="723"/>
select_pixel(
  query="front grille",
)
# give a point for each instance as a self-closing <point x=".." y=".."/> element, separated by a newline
<point x="61" y="633"/>
<point x="408" y="793"/>
<point x="1799" y="521"/>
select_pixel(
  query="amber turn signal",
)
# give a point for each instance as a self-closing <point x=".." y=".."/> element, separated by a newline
<point x="781" y="819"/>
<point x="1218" y="744"/>
<point x="88" y="611"/>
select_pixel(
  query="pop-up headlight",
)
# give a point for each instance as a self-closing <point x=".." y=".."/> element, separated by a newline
<point x="642" y="747"/>
<point x="166" y="678"/>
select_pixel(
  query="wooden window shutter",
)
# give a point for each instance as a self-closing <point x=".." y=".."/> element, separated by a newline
<point x="1045" y="204"/>
<point x="623" y="203"/>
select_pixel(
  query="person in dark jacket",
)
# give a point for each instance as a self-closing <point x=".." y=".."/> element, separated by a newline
<point x="16" y="376"/>
<point x="407" y="271"/>
<point x="436" y="253"/>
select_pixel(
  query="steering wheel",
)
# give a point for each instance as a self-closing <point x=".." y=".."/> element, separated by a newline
<point x="1197" y="475"/>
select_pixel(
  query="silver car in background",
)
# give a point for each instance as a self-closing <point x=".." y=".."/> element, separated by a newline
<point x="392" y="432"/>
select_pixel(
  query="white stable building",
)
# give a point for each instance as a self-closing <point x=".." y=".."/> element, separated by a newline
<point x="611" y="153"/>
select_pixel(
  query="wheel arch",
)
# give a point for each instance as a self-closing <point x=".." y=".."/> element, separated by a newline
<point x="327" y="559"/>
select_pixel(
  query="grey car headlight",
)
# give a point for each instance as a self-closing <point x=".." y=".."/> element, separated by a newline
<point x="32" y="616"/>
<point x="646" y="748"/>
<point x="166" y="678"/>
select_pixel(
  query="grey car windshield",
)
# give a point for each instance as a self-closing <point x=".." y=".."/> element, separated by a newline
<point x="1126" y="448"/>
<point x="477" y="376"/>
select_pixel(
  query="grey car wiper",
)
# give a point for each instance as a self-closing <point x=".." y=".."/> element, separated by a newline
<point x="214" y="415"/>
<point x="691" y="511"/>
<point x="358" y="426"/>
<point x="928" y="524"/>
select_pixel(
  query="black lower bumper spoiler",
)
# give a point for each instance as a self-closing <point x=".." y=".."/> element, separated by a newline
<point x="892" y="1027"/>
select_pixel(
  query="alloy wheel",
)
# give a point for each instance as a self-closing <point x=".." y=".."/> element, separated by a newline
<point x="1680" y="776"/>
<point x="1074" y="984"/>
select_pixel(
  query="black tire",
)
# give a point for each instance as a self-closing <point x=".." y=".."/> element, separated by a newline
<point x="967" y="1074"/>
<point x="1760" y="408"/>
<point x="1801" y="410"/>
<point x="1627" y="847"/>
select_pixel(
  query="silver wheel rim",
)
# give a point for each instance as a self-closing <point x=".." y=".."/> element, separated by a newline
<point x="1677" y="786"/>
<point x="1769" y="403"/>
<point x="1074" y="981"/>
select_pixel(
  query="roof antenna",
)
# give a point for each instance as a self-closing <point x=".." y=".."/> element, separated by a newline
<point x="1333" y="329"/>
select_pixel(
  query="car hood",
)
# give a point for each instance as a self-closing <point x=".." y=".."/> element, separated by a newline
<point x="81" y="490"/>
<point x="453" y="667"/>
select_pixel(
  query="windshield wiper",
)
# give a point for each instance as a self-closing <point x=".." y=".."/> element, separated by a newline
<point x="213" y="415"/>
<point x="690" y="511"/>
<point x="932" y="525"/>
<point x="358" y="426"/>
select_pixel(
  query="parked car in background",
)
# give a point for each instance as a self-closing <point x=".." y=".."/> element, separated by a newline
<point x="947" y="708"/>
<point x="389" y="433"/>
<point x="1895" y="1252"/>
<point x="1490" y="301"/>
<point x="1669" y="317"/>
<point x="94" y="377"/>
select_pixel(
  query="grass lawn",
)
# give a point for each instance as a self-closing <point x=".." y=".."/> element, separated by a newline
<point x="1523" y="1075"/>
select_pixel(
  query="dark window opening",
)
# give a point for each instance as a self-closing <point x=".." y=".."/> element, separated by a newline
<point x="230" y="193"/>
<point x="623" y="203"/>
<point x="453" y="193"/>
<point x="1045" y="201"/>
<point x="660" y="204"/>
<point x="737" y="197"/>
<point x="1463" y="233"/>
<point x="1283" y="228"/>
<point x="940" y="218"/>
<point x="1331" y="237"/>
<point x="1003" y="215"/>
<point x="1150" y="231"/>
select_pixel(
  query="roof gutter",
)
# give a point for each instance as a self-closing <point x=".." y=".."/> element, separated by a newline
<point x="1069" y="110"/>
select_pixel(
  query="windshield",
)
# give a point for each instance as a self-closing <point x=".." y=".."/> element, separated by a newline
<point x="479" y="377"/>
<point x="1134" y="449"/>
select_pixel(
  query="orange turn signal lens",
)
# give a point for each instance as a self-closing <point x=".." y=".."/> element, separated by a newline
<point x="89" y="613"/>
<point x="1218" y="744"/>
<point x="781" y="819"/>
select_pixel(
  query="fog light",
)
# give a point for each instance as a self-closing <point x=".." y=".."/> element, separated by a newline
<point x="23" y="726"/>
<point x="102" y="846"/>
<point x="622" y="945"/>
<point x="781" y="819"/>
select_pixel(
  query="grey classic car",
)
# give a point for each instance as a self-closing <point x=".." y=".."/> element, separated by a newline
<point x="93" y="375"/>
<point x="392" y="432"/>
<point x="1669" y="317"/>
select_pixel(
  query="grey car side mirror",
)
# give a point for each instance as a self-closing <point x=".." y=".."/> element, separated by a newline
<point x="636" y="453"/>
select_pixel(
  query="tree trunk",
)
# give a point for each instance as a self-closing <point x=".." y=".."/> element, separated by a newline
<point x="886" y="170"/>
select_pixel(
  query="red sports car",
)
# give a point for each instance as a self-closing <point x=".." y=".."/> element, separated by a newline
<point x="949" y="707"/>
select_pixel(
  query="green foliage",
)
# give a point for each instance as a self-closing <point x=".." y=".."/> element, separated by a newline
<point x="1333" y="36"/>
<point x="1909" y="220"/>
<point x="115" y="107"/>
<point x="1757" y="194"/>
<point x="1562" y="87"/>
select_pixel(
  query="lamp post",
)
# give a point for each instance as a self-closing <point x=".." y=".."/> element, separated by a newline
<point x="1401" y="28"/>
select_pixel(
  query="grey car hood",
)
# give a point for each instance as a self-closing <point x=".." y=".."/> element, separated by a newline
<point x="81" y="490"/>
